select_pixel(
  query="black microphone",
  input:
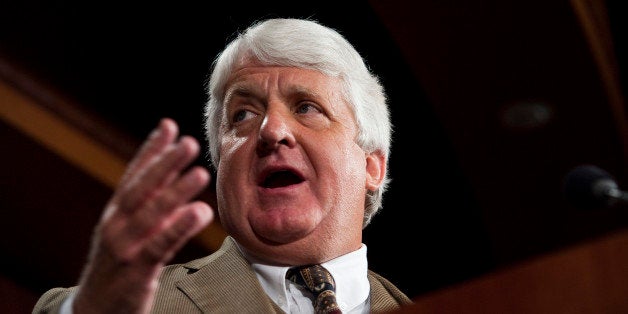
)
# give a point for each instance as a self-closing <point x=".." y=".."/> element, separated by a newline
<point x="590" y="187"/>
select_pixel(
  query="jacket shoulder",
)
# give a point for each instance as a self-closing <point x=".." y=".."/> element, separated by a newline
<point x="385" y="296"/>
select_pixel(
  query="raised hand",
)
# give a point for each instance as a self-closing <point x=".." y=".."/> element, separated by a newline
<point x="150" y="216"/>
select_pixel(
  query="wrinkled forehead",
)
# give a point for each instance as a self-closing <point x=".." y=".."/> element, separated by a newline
<point x="288" y="84"/>
<point x="306" y="78"/>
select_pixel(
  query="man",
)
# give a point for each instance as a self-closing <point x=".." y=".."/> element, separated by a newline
<point x="299" y="136"/>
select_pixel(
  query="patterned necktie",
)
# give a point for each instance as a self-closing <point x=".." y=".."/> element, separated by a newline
<point x="319" y="281"/>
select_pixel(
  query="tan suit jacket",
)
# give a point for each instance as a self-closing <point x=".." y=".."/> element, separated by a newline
<point x="223" y="282"/>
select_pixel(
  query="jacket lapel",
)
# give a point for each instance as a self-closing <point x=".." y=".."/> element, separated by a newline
<point x="225" y="283"/>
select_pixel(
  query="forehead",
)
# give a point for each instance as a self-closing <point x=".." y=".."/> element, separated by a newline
<point x="255" y="77"/>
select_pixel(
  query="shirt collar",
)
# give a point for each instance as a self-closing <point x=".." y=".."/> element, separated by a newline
<point x="350" y="274"/>
<point x="349" y="271"/>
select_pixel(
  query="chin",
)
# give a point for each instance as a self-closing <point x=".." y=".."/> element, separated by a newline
<point x="281" y="236"/>
<point x="285" y="226"/>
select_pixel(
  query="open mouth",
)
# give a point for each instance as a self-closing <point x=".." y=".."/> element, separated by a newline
<point x="281" y="178"/>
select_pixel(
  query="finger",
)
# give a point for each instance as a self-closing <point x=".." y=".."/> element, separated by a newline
<point x="160" y="209"/>
<point x="160" y="173"/>
<point x="164" y="244"/>
<point x="158" y="141"/>
<point x="182" y="191"/>
<point x="164" y="134"/>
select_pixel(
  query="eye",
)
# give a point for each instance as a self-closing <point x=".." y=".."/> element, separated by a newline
<point x="305" y="107"/>
<point x="242" y="115"/>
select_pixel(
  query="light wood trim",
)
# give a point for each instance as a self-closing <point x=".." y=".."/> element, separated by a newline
<point x="593" y="18"/>
<point x="64" y="140"/>
<point x="69" y="142"/>
<point x="589" y="278"/>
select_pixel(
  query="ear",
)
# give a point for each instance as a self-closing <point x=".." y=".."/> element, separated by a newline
<point x="375" y="170"/>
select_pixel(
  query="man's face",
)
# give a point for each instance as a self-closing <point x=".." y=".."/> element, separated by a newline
<point x="290" y="171"/>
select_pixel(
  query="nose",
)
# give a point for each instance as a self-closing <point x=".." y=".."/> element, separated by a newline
<point x="276" y="130"/>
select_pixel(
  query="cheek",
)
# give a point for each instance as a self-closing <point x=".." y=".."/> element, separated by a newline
<point x="234" y="164"/>
<point x="349" y="184"/>
<point x="348" y="165"/>
<point x="231" y="146"/>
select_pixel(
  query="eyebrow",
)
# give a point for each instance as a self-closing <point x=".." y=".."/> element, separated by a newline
<point x="302" y="91"/>
<point x="241" y="90"/>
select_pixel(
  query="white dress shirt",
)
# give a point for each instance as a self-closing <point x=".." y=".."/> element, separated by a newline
<point x="350" y="273"/>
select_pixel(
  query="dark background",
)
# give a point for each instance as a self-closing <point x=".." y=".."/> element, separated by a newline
<point x="471" y="191"/>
